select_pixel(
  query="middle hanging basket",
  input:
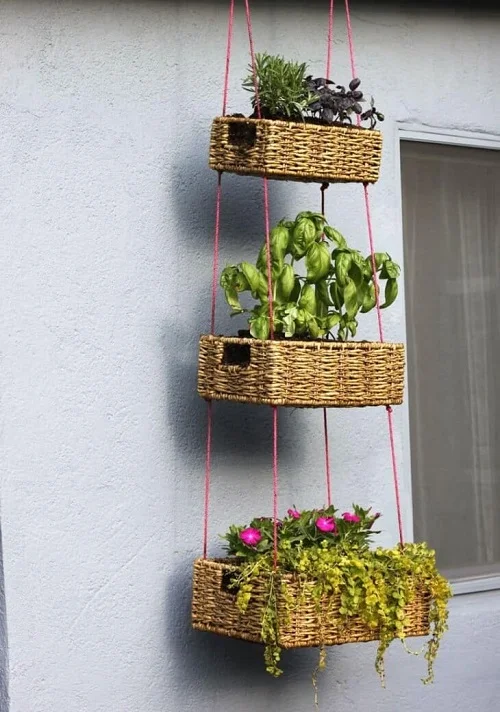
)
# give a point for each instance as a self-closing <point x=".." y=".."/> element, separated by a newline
<point x="302" y="624"/>
<point x="295" y="150"/>
<point x="307" y="374"/>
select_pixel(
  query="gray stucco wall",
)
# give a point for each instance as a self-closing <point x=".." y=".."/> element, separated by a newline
<point x="107" y="209"/>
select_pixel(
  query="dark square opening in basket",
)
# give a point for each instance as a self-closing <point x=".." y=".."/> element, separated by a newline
<point x="236" y="355"/>
<point x="242" y="134"/>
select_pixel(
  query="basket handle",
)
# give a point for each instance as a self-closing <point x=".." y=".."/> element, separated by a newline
<point x="237" y="356"/>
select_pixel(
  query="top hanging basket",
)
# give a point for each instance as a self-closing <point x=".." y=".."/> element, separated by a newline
<point x="300" y="151"/>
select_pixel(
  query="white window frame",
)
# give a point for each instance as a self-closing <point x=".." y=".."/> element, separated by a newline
<point x="466" y="139"/>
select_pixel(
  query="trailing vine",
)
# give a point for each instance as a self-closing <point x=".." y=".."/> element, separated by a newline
<point x="334" y="565"/>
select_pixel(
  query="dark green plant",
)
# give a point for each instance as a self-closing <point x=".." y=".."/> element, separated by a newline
<point x="282" y="87"/>
<point x="337" y="287"/>
<point x="331" y="555"/>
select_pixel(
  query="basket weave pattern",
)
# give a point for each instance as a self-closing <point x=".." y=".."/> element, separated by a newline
<point x="307" y="374"/>
<point x="214" y="610"/>
<point x="287" y="150"/>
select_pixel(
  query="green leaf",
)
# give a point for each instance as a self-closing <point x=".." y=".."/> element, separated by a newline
<point x="303" y="235"/>
<point x="259" y="327"/>
<point x="289" y="321"/>
<point x="342" y="266"/>
<point x="391" y="293"/>
<point x="369" y="299"/>
<point x="279" y="238"/>
<point x="351" y="299"/>
<point x="317" y="261"/>
<point x="307" y="299"/>
<point x="335" y="235"/>
<point x="355" y="273"/>
<point x="232" y="299"/>
<point x="352" y="326"/>
<point x="313" y="327"/>
<point x="380" y="258"/>
<point x="332" y="320"/>
<point x="337" y="295"/>
<point x="285" y="284"/>
<point x="253" y="277"/>
<point x="322" y="294"/>
<point x="295" y="294"/>
<point x="390" y="270"/>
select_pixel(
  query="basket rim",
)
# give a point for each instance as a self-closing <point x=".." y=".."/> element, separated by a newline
<point x="306" y="345"/>
<point x="225" y="564"/>
<point x="281" y="123"/>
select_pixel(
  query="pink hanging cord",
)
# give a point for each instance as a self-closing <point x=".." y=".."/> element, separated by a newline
<point x="215" y="271"/>
<point x="269" y="289"/>
<point x="328" y="473"/>
<point x="329" y="41"/>
<point x="377" y="296"/>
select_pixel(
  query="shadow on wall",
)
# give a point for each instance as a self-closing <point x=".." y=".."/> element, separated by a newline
<point x="221" y="666"/>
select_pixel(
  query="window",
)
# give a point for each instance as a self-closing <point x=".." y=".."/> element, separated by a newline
<point x="451" y="230"/>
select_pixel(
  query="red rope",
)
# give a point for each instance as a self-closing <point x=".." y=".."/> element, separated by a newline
<point x="215" y="271"/>
<point x="330" y="40"/>
<point x="377" y="295"/>
<point x="328" y="474"/>
<point x="275" y="486"/>
<point x="228" y="56"/>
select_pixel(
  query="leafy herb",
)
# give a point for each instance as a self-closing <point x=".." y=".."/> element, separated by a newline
<point x="287" y="92"/>
<point x="327" y="301"/>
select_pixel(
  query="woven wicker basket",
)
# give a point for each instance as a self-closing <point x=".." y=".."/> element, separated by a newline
<point x="308" y="374"/>
<point x="214" y="610"/>
<point x="287" y="150"/>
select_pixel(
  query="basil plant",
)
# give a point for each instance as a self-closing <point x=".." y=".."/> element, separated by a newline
<point x="325" y="303"/>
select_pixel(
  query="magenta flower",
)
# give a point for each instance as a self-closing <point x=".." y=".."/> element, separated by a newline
<point x="250" y="536"/>
<point x="326" y="524"/>
<point x="293" y="513"/>
<point x="348" y="517"/>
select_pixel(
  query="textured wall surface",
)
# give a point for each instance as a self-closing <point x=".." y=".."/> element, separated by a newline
<point x="107" y="210"/>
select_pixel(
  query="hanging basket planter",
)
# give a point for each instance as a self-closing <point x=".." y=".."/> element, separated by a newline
<point x="308" y="374"/>
<point x="301" y="622"/>
<point x="292" y="150"/>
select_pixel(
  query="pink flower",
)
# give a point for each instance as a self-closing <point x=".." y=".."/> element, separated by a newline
<point x="293" y="513"/>
<point x="250" y="536"/>
<point x="326" y="524"/>
<point x="348" y="517"/>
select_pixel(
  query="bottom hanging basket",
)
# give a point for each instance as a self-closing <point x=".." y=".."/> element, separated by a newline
<point x="301" y="623"/>
<point x="307" y="374"/>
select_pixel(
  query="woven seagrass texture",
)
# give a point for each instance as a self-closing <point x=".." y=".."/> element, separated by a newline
<point x="214" y="610"/>
<point x="287" y="150"/>
<point x="308" y="374"/>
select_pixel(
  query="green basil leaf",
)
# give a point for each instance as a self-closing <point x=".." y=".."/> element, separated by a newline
<point x="335" y="235"/>
<point x="355" y="273"/>
<point x="352" y="326"/>
<point x="322" y="294"/>
<point x="351" y="299"/>
<point x="285" y="283"/>
<point x="253" y="277"/>
<point x="307" y="299"/>
<point x="295" y="293"/>
<point x="279" y="239"/>
<point x="317" y="261"/>
<point x="259" y="327"/>
<point x="337" y="295"/>
<point x="342" y="266"/>
<point x="369" y="300"/>
<point x="332" y="320"/>
<point x="232" y="299"/>
<point x="391" y="293"/>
